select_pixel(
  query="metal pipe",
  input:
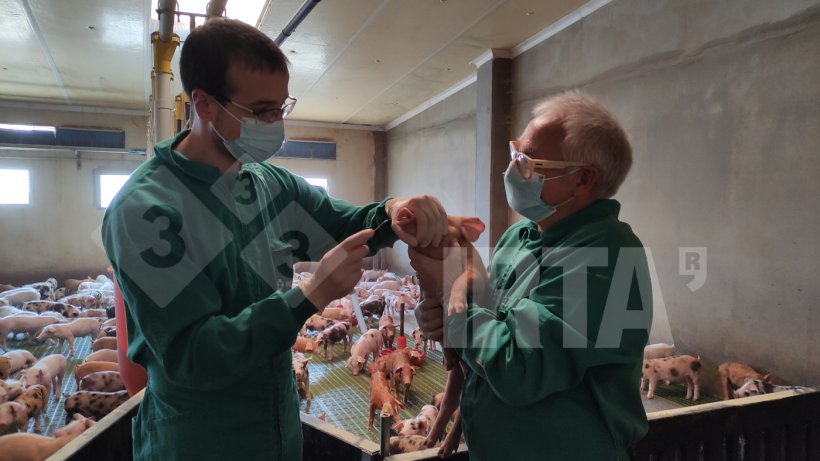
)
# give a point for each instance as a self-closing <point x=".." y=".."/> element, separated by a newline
<point x="215" y="8"/>
<point x="296" y="20"/>
<point x="384" y="432"/>
<point x="165" y="11"/>
<point x="163" y="86"/>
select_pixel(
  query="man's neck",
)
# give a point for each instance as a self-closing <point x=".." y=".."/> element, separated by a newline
<point x="199" y="146"/>
<point x="565" y="211"/>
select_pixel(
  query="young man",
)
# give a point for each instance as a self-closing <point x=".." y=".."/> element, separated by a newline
<point x="203" y="238"/>
<point x="554" y="353"/>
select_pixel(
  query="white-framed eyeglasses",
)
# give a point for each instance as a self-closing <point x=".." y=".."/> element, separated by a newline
<point x="527" y="165"/>
<point x="269" y="115"/>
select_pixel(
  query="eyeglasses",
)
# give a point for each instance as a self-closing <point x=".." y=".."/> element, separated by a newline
<point x="527" y="165"/>
<point x="269" y="115"/>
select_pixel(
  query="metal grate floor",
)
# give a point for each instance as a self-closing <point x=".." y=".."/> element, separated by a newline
<point x="676" y="392"/>
<point x="55" y="415"/>
<point x="344" y="399"/>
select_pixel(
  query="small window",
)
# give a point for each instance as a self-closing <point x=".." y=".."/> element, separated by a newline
<point x="321" y="182"/>
<point x="14" y="187"/>
<point x="108" y="184"/>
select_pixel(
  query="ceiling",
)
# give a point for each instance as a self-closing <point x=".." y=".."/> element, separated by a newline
<point x="359" y="62"/>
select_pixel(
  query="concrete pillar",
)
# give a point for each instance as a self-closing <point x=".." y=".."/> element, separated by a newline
<point x="380" y="185"/>
<point x="380" y="165"/>
<point x="493" y="119"/>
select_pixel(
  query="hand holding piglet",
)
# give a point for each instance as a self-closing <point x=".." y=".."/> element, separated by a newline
<point x="418" y="221"/>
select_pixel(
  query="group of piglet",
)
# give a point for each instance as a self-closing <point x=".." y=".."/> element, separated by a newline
<point x="28" y="386"/>
<point x="382" y="297"/>
<point x="737" y="379"/>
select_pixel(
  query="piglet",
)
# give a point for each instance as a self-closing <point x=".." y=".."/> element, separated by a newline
<point x="754" y="386"/>
<point x="74" y="329"/>
<point x="381" y="399"/>
<point x="735" y="374"/>
<point x="35" y="398"/>
<point x="674" y="369"/>
<point x="368" y="344"/>
<point x="87" y="368"/>
<point x="104" y="343"/>
<point x="103" y="355"/>
<point x="300" y="369"/>
<point x="388" y="330"/>
<point x="406" y="444"/>
<point x="102" y="381"/>
<point x="340" y="332"/>
<point x="93" y="404"/>
<point x="13" y="417"/>
<point x="48" y="371"/>
<point x="658" y="351"/>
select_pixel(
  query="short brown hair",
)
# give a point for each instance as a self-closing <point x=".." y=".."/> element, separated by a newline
<point x="211" y="48"/>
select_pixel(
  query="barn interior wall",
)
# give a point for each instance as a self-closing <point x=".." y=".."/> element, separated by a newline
<point x="57" y="235"/>
<point x="720" y="101"/>
<point x="434" y="153"/>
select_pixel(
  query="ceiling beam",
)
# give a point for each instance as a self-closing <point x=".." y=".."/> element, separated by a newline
<point x="35" y="28"/>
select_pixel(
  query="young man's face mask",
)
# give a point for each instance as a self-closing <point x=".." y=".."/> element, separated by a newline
<point x="257" y="141"/>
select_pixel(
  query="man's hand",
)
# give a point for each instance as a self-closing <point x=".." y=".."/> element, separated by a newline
<point x="418" y="221"/>
<point x="430" y="317"/>
<point x="339" y="270"/>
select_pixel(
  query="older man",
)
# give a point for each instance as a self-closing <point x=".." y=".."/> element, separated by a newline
<point x="554" y="350"/>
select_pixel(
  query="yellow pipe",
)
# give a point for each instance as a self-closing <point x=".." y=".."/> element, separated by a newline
<point x="163" y="52"/>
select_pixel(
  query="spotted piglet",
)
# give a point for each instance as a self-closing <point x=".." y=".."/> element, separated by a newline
<point x="35" y="398"/>
<point x="93" y="404"/>
<point x="674" y="369"/>
<point x="102" y="381"/>
<point x="341" y="331"/>
<point x="406" y="444"/>
<point x="300" y="369"/>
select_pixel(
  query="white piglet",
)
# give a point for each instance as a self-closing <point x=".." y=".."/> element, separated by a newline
<point x="48" y="371"/>
<point x="369" y="343"/>
<point x="74" y="329"/>
<point x="30" y="324"/>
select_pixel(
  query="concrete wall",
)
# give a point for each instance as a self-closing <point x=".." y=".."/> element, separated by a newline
<point x="434" y="153"/>
<point x="350" y="176"/>
<point x="721" y="102"/>
<point x="58" y="233"/>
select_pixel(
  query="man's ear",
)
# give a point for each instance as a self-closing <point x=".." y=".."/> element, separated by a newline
<point x="204" y="105"/>
<point x="588" y="179"/>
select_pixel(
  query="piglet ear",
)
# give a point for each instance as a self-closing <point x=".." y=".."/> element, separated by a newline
<point x="360" y="359"/>
<point x="471" y="228"/>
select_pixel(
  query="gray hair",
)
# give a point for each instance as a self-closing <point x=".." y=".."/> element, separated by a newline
<point x="593" y="136"/>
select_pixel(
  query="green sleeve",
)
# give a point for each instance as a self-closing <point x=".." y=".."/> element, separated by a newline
<point x="196" y="344"/>
<point x="342" y="219"/>
<point x="529" y="351"/>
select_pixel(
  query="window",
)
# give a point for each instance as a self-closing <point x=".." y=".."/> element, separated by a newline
<point x="14" y="187"/>
<point x="108" y="184"/>
<point x="321" y="182"/>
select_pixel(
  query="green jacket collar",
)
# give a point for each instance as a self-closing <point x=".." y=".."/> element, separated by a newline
<point x="602" y="209"/>
<point x="201" y="171"/>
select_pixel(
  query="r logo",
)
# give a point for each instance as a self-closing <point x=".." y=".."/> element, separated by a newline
<point x="692" y="261"/>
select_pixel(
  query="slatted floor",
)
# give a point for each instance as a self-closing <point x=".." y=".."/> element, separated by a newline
<point x="676" y="392"/>
<point x="344" y="399"/>
<point x="55" y="416"/>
